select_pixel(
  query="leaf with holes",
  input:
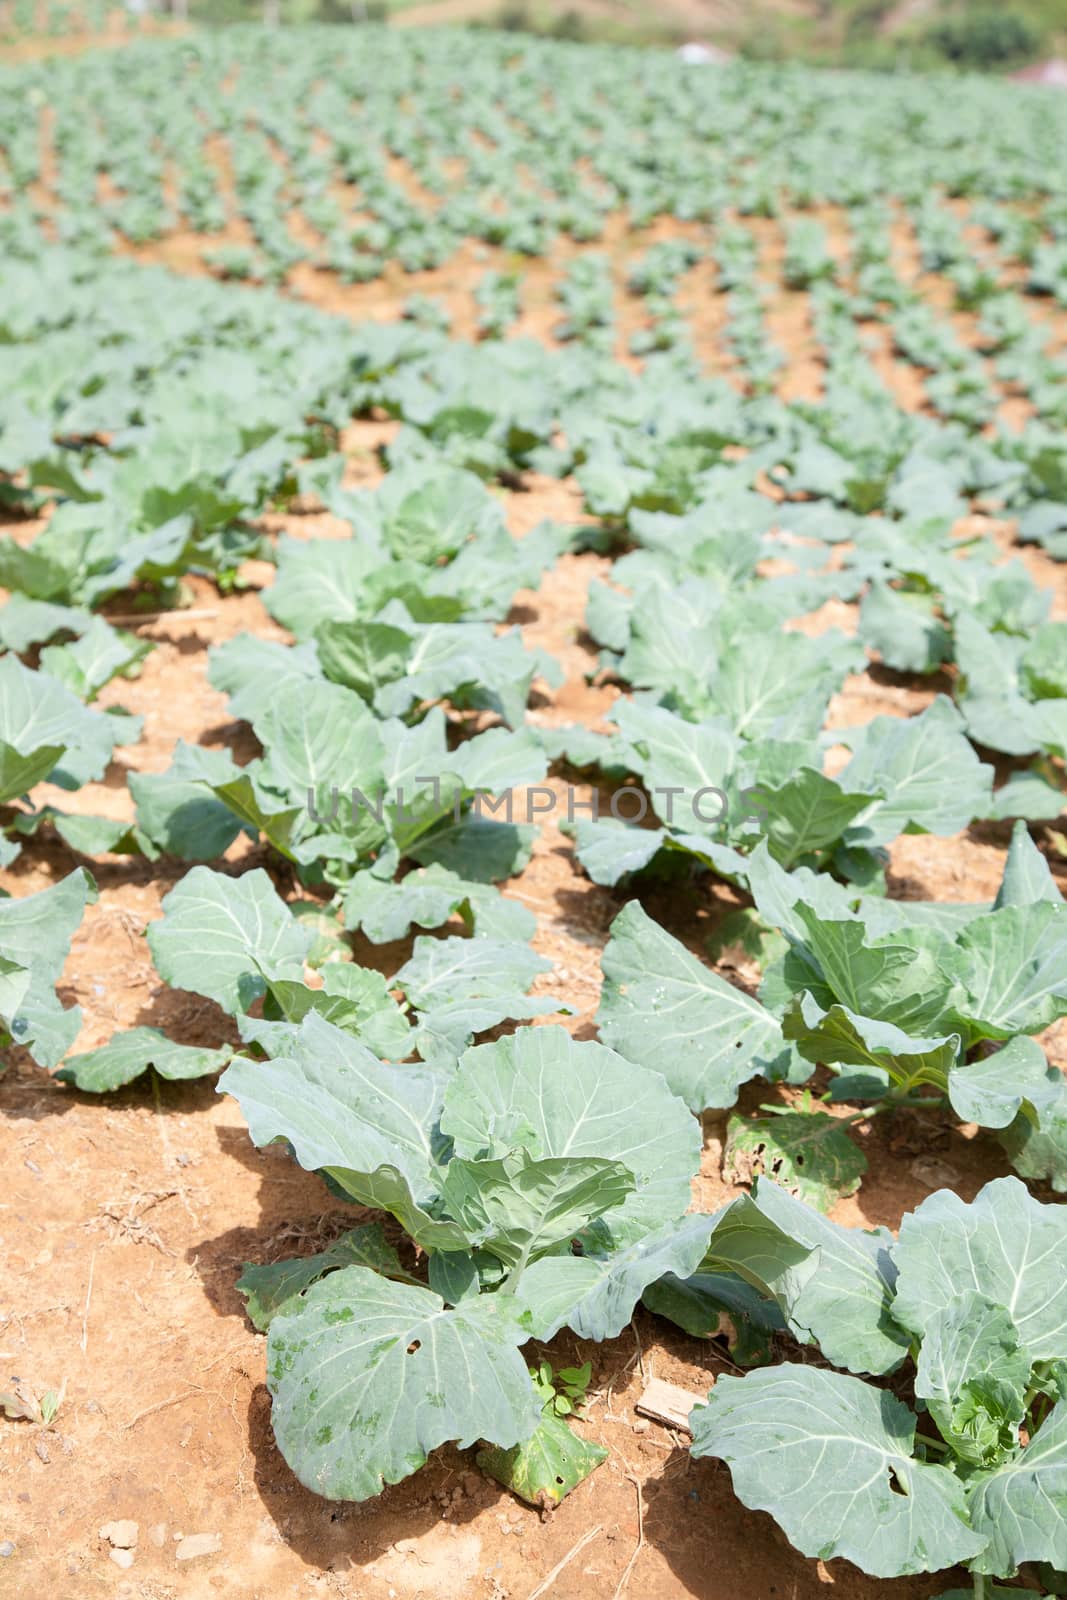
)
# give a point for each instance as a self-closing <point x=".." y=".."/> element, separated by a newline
<point x="550" y="1463"/>
<point x="368" y="1376"/>
<point x="784" y="1431"/>
<point x="806" y="1151"/>
<point x="273" y="1289"/>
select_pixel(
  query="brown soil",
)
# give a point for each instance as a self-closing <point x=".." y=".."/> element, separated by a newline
<point x="76" y="44"/>
<point x="127" y="1221"/>
<point x="124" y="1222"/>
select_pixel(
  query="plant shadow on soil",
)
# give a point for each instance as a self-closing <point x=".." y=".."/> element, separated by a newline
<point x="681" y="1500"/>
<point x="404" y="1511"/>
<point x="298" y="1217"/>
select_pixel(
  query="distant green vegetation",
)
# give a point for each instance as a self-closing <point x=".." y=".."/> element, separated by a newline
<point x="290" y="12"/>
<point x="984" y="38"/>
<point x="970" y="35"/>
<point x="974" y="35"/>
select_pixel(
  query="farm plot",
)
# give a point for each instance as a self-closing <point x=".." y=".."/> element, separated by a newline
<point x="570" y="726"/>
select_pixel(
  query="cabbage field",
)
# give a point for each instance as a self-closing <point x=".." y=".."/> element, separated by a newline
<point x="533" y="828"/>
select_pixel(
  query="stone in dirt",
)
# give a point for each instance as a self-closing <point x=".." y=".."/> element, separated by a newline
<point x="195" y="1545"/>
<point x="120" y="1535"/>
<point x="122" y="1558"/>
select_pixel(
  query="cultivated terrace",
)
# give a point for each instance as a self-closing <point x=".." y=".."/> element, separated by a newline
<point x="533" y="708"/>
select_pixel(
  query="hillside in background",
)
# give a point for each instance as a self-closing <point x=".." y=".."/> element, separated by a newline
<point x="887" y="34"/>
<point x="878" y="33"/>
